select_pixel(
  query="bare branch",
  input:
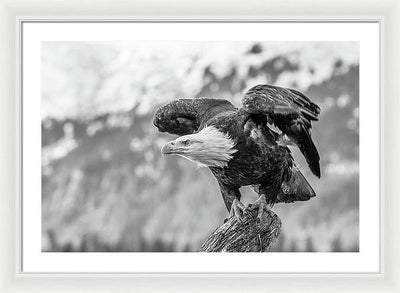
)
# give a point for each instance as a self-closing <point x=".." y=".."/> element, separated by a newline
<point x="248" y="234"/>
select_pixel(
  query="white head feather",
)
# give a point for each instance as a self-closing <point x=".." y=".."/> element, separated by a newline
<point x="208" y="147"/>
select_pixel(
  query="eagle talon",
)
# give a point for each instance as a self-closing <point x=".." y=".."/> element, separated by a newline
<point x="237" y="209"/>
<point x="261" y="204"/>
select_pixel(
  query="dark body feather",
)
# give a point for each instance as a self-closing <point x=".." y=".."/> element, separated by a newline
<point x="259" y="161"/>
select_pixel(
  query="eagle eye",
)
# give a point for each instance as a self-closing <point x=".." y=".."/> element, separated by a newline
<point x="185" y="142"/>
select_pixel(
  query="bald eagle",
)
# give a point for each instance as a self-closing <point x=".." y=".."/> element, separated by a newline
<point x="246" y="146"/>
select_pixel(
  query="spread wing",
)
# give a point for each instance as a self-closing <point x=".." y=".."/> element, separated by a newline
<point x="186" y="116"/>
<point x="292" y="112"/>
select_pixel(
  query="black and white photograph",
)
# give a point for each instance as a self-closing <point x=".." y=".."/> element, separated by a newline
<point x="200" y="146"/>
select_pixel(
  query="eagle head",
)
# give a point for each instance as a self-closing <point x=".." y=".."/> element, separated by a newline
<point x="208" y="147"/>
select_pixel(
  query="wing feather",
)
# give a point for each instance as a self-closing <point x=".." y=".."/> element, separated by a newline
<point x="292" y="112"/>
<point x="186" y="116"/>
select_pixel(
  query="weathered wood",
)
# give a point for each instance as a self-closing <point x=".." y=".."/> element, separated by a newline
<point x="246" y="235"/>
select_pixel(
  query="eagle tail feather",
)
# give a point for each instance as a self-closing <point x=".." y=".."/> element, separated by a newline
<point x="296" y="188"/>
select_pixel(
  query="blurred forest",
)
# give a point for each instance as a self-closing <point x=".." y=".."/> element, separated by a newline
<point x="105" y="185"/>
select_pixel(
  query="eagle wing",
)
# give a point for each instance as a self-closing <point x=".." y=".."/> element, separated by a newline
<point x="186" y="116"/>
<point x="292" y="112"/>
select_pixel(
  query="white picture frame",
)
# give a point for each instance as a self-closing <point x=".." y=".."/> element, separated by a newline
<point x="11" y="277"/>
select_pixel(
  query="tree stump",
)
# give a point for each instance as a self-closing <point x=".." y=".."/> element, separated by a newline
<point x="248" y="234"/>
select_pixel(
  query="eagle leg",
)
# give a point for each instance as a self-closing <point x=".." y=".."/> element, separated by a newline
<point x="261" y="204"/>
<point x="231" y="196"/>
<point x="237" y="209"/>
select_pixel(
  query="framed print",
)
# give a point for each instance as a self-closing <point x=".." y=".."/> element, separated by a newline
<point x="205" y="149"/>
<point x="104" y="186"/>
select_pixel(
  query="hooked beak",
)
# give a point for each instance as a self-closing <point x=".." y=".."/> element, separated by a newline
<point x="168" y="148"/>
